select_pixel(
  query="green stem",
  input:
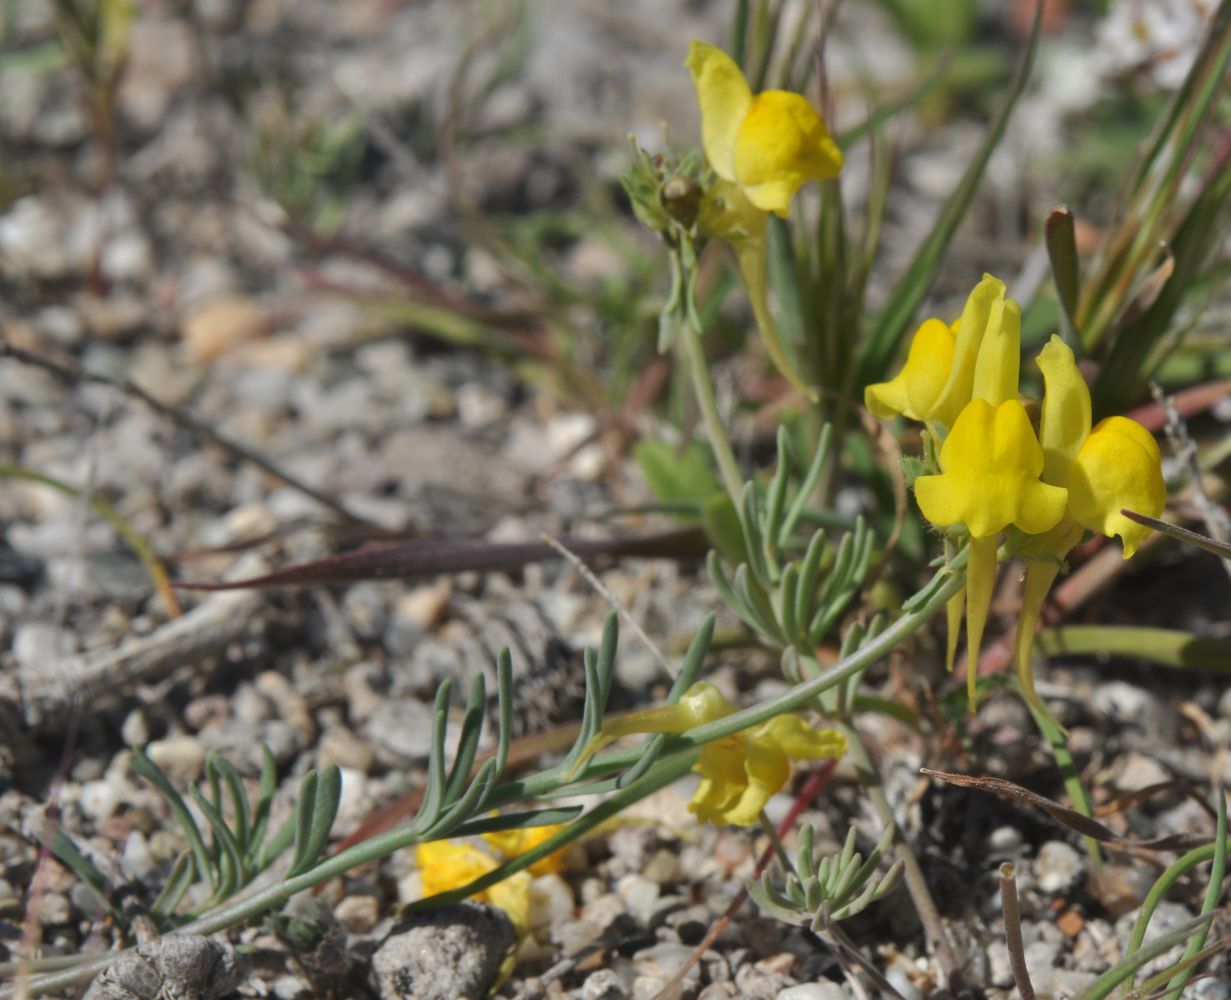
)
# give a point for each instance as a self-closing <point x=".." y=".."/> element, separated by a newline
<point x="1072" y="780"/>
<point x="1216" y="852"/>
<point x="916" y="884"/>
<point x="680" y="759"/>
<point x="659" y="776"/>
<point x="703" y="389"/>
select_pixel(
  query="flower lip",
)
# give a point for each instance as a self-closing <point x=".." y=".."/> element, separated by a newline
<point x="990" y="464"/>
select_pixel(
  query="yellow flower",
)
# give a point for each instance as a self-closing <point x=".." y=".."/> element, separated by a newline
<point x="445" y="865"/>
<point x="990" y="465"/>
<point x="938" y="379"/>
<point x="740" y="773"/>
<point x="1116" y="465"/>
<point x="770" y="144"/>
<point x="913" y="392"/>
<point x="1119" y="466"/>
<point x="512" y="843"/>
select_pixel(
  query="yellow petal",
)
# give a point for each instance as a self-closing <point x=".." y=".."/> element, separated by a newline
<point x="782" y="144"/>
<point x="1119" y="466"/>
<point x="971" y="327"/>
<point x="1065" y="419"/>
<point x="990" y="464"/>
<point x="798" y="740"/>
<point x="999" y="358"/>
<point x="445" y="865"/>
<point x="767" y="769"/>
<point x="511" y="843"/>
<point x="513" y="896"/>
<point x="914" y="390"/>
<point x="724" y="97"/>
<point x="723" y="779"/>
<point x="980" y="584"/>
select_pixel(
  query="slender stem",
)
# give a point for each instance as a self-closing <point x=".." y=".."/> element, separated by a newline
<point x="703" y="389"/>
<point x="776" y="844"/>
<point x="916" y="884"/>
<point x="852" y="952"/>
<point x="677" y="760"/>
<point x="1013" y="931"/>
<point x="1072" y="779"/>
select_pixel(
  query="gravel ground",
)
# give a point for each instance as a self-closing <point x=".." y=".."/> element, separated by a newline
<point x="183" y="276"/>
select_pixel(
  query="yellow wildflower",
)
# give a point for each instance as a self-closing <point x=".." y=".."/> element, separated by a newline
<point x="445" y="865"/>
<point x="1116" y="465"/>
<point x="741" y="772"/>
<point x="913" y="392"/>
<point x="938" y="378"/>
<point x="994" y="472"/>
<point x="770" y="145"/>
<point x="513" y="843"/>
<point x="763" y="149"/>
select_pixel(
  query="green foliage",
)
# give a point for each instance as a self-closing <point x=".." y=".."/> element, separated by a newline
<point x="826" y="890"/>
<point x="307" y="165"/>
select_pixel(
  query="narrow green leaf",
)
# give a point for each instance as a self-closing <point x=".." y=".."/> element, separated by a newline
<point x="1061" y="239"/>
<point x="151" y="772"/>
<point x="225" y="848"/>
<point x="176" y="884"/>
<point x="264" y="803"/>
<point x="878" y="349"/>
<point x="1213" y="892"/>
<point x="1169" y="647"/>
<point x="318" y="820"/>
<point x="69" y="854"/>
<point x="468" y="740"/>
<point x="304" y="809"/>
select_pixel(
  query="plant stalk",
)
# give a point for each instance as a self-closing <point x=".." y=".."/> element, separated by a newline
<point x="703" y="390"/>
<point x="916" y="884"/>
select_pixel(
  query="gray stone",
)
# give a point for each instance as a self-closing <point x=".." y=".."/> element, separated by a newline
<point x="39" y="645"/>
<point x="444" y="954"/>
<point x="1058" y="867"/>
<point x="1135" y="771"/>
<point x="1127" y="703"/>
<point x="814" y="991"/>
<point x="402" y="725"/>
<point x="604" y="985"/>
<point x="178" y="965"/>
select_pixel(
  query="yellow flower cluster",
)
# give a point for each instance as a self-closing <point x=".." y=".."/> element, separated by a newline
<point x="996" y="474"/>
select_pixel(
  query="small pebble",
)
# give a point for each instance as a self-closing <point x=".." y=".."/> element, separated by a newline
<point x="551" y="901"/>
<point x="1057" y="867"/>
<point x="814" y="991"/>
<point x="357" y="914"/>
<point x="181" y="757"/>
<point x="39" y="645"/>
<point x="639" y="894"/>
<point x="604" y="985"/>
